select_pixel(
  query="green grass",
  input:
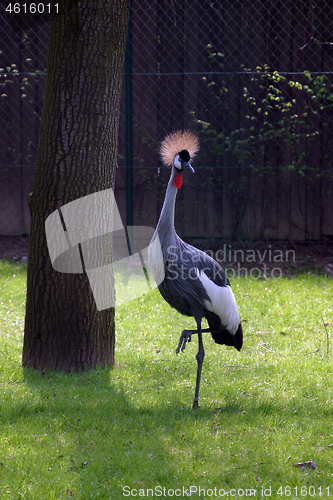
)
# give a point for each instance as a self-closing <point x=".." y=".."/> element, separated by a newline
<point x="88" y="435"/>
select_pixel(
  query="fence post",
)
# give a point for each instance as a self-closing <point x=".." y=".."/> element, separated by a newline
<point x="129" y="124"/>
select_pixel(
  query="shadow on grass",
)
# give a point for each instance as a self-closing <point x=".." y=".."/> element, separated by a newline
<point x="91" y="429"/>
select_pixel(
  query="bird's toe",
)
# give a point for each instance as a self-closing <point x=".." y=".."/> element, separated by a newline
<point x="195" y="405"/>
<point x="184" y="337"/>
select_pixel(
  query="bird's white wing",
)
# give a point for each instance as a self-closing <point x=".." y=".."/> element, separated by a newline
<point x="222" y="302"/>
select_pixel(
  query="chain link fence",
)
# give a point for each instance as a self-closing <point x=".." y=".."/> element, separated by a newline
<point x="252" y="79"/>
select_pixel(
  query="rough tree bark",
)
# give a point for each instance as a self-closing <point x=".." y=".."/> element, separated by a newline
<point x="76" y="157"/>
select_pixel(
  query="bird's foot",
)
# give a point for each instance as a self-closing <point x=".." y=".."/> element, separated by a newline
<point x="195" y="404"/>
<point x="185" y="336"/>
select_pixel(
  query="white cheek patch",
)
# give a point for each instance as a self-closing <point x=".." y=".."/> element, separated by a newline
<point x="177" y="163"/>
<point x="223" y="302"/>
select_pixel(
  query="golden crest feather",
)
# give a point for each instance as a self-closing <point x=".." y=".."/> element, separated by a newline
<point x="175" y="142"/>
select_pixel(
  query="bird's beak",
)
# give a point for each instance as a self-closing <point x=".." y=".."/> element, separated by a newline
<point x="188" y="166"/>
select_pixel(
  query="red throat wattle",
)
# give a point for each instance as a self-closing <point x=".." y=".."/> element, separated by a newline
<point x="178" y="180"/>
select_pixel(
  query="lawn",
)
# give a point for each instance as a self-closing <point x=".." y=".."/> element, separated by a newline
<point x="128" y="430"/>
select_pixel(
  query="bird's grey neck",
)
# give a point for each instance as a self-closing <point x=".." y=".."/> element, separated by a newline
<point x="165" y="226"/>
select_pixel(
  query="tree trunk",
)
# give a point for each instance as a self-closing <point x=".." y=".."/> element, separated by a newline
<point x="77" y="156"/>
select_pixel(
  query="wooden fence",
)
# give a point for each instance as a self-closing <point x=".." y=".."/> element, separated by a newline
<point x="253" y="79"/>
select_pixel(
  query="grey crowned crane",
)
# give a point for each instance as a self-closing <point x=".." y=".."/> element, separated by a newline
<point x="194" y="283"/>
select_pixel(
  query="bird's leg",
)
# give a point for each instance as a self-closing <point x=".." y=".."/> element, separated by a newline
<point x="185" y="336"/>
<point x="200" y="357"/>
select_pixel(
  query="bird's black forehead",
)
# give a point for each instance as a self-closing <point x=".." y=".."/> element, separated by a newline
<point x="184" y="155"/>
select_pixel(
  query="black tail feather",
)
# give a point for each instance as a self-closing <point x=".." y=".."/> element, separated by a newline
<point x="221" y="335"/>
<point x="225" y="337"/>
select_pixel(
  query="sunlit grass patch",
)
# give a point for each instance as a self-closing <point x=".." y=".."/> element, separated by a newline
<point x="264" y="409"/>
